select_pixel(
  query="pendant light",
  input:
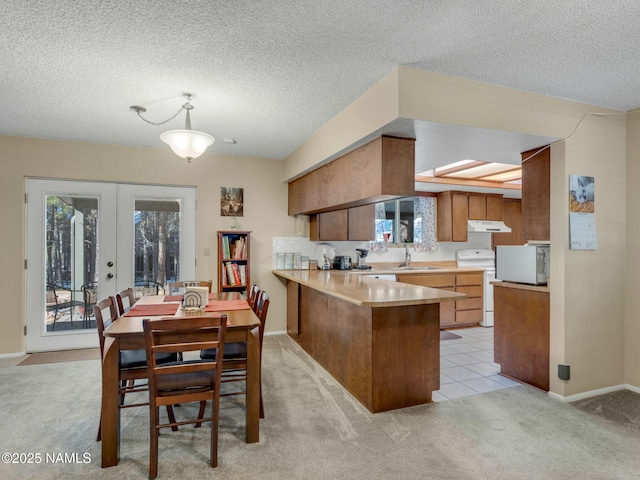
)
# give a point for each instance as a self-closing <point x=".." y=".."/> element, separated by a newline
<point x="185" y="143"/>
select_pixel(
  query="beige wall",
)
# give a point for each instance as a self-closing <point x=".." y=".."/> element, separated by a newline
<point x="265" y="209"/>
<point x="632" y="303"/>
<point x="587" y="287"/>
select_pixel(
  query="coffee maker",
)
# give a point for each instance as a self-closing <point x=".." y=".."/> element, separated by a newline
<point x="362" y="254"/>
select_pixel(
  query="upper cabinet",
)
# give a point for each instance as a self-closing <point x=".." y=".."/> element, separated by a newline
<point x="455" y="208"/>
<point x="453" y="213"/>
<point x="380" y="170"/>
<point x="512" y="216"/>
<point x="536" y="195"/>
<point x="356" y="223"/>
<point x="485" y="206"/>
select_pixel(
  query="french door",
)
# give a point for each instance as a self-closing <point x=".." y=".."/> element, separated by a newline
<point x="89" y="240"/>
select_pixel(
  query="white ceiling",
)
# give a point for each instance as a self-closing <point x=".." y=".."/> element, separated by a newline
<point x="270" y="74"/>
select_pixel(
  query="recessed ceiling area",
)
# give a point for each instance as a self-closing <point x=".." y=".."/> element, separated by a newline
<point x="441" y="144"/>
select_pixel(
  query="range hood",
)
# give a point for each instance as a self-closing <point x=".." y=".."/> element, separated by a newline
<point x="490" y="226"/>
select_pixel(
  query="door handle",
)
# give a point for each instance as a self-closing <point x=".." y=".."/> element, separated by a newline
<point x="109" y="276"/>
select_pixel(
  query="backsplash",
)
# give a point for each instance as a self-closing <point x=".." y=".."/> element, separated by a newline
<point x="445" y="251"/>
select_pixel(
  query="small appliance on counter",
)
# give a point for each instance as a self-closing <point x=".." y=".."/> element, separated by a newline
<point x="324" y="256"/>
<point x="523" y="263"/>
<point x="362" y="254"/>
<point x="342" y="262"/>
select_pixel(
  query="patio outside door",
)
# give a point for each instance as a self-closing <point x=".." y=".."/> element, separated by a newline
<point x="89" y="240"/>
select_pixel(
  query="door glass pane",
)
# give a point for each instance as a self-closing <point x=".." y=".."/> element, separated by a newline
<point x="157" y="245"/>
<point x="71" y="253"/>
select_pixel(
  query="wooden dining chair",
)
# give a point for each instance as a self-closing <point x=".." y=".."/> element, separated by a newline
<point x="253" y="295"/>
<point x="133" y="363"/>
<point x="234" y="365"/>
<point x="183" y="382"/>
<point x="177" y="288"/>
<point x="128" y="295"/>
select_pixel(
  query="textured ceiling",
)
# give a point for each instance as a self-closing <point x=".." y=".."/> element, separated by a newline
<point x="270" y="74"/>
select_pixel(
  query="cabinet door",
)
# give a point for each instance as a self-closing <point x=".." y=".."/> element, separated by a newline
<point x="453" y="213"/>
<point x="477" y="207"/>
<point x="362" y="223"/>
<point x="512" y="217"/>
<point x="329" y="226"/>
<point x="460" y="215"/>
<point x="536" y="195"/>
<point x="494" y="207"/>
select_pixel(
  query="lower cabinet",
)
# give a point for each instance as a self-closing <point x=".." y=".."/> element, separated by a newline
<point x="462" y="312"/>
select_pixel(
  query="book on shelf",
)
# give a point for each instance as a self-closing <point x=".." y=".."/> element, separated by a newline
<point x="238" y="249"/>
<point x="243" y="274"/>
<point x="231" y="279"/>
<point x="236" y="274"/>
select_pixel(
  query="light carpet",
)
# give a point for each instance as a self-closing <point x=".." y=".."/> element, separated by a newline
<point x="315" y="430"/>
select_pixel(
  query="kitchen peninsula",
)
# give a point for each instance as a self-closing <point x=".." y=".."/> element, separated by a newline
<point x="379" y="339"/>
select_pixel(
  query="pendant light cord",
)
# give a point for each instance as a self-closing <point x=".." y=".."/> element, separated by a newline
<point x="140" y="110"/>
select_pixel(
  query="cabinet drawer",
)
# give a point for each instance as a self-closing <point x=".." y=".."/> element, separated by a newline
<point x="471" y="291"/>
<point x="468" y="316"/>
<point x="435" y="281"/>
<point x="469" y="304"/>
<point x="470" y="279"/>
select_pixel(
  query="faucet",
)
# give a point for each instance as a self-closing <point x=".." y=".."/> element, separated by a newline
<point x="407" y="256"/>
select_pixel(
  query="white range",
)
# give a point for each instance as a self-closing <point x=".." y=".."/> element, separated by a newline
<point x="481" y="258"/>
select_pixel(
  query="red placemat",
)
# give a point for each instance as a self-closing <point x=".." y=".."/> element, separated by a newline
<point x="152" y="310"/>
<point x="178" y="298"/>
<point x="226" y="305"/>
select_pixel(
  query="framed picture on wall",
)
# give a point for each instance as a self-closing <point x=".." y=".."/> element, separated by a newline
<point x="231" y="201"/>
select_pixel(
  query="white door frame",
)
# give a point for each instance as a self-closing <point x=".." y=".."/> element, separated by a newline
<point x="116" y="234"/>
<point x="38" y="339"/>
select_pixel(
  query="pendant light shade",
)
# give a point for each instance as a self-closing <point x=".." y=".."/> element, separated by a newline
<point x="185" y="143"/>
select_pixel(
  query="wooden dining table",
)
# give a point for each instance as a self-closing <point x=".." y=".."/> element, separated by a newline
<point x="126" y="334"/>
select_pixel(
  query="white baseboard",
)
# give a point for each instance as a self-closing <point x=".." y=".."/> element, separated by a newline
<point x="592" y="393"/>
<point x="12" y="355"/>
<point x="281" y="332"/>
<point x="632" y="388"/>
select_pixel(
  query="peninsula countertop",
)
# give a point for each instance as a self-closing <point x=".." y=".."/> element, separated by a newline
<point x="358" y="288"/>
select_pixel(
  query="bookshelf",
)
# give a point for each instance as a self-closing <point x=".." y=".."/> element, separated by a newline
<point x="233" y="261"/>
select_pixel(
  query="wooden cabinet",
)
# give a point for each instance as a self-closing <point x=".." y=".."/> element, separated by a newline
<point x="461" y="312"/>
<point x="512" y="216"/>
<point x="521" y="333"/>
<point x="384" y="167"/>
<point x="485" y="207"/>
<point x="471" y="309"/>
<point x="536" y="195"/>
<point x="329" y="226"/>
<point x="362" y="223"/>
<point x="234" y="267"/>
<point x="453" y="213"/>
<point x="494" y="207"/>
<point x="455" y="208"/>
<point x="357" y="223"/>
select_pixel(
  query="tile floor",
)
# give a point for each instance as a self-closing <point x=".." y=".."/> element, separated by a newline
<point x="467" y="367"/>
